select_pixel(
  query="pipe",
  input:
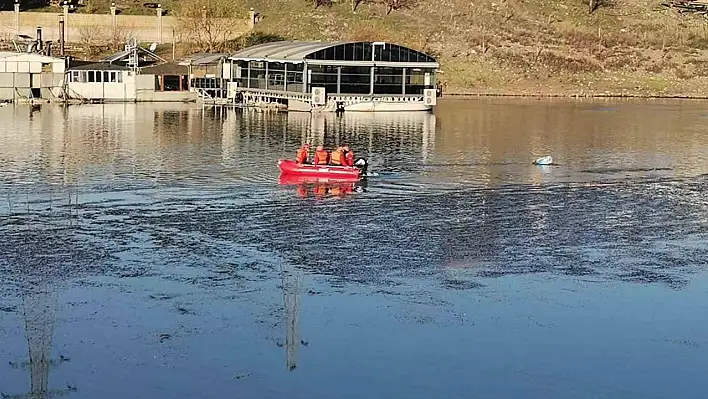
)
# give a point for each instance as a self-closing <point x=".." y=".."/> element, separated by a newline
<point x="61" y="35"/>
<point x="39" y="38"/>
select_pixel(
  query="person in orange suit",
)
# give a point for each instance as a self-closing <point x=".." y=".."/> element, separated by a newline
<point x="348" y="156"/>
<point x="321" y="156"/>
<point x="320" y="190"/>
<point x="303" y="154"/>
<point x="337" y="157"/>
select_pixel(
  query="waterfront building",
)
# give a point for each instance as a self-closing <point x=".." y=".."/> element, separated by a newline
<point x="135" y="74"/>
<point x="339" y="76"/>
<point x="206" y="74"/>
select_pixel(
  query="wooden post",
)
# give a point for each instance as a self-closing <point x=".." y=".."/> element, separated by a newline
<point x="61" y="35"/>
<point x="162" y="82"/>
<point x="404" y="82"/>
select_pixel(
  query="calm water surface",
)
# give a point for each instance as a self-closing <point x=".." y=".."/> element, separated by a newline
<point x="149" y="251"/>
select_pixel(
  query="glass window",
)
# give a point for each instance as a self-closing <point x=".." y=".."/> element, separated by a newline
<point x="106" y="76"/>
<point x="388" y="80"/>
<point x="172" y="82"/>
<point x="91" y="77"/>
<point x="98" y="76"/>
<point x="361" y="51"/>
<point x="75" y="76"/>
<point x="355" y="80"/>
<point x="119" y="77"/>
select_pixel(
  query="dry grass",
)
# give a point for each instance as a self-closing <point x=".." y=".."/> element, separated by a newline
<point x="511" y="45"/>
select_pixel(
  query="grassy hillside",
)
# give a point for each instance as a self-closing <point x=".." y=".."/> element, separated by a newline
<point x="631" y="47"/>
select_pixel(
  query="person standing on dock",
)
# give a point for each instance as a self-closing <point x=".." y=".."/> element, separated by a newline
<point x="321" y="156"/>
<point x="303" y="154"/>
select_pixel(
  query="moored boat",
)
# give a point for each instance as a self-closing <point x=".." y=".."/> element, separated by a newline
<point x="289" y="167"/>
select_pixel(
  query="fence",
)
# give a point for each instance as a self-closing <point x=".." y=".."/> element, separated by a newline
<point x="82" y="27"/>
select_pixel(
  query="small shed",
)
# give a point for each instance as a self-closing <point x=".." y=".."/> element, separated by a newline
<point x="169" y="76"/>
<point x="206" y="72"/>
<point x="101" y="81"/>
<point x="30" y="75"/>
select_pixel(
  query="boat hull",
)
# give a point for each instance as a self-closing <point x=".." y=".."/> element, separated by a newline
<point x="292" y="168"/>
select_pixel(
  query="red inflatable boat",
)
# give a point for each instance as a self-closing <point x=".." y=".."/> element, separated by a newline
<point x="289" y="167"/>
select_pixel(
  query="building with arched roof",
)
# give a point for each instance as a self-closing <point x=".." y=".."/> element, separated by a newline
<point x="350" y="76"/>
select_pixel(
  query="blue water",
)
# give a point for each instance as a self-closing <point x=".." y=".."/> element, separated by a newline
<point x="149" y="251"/>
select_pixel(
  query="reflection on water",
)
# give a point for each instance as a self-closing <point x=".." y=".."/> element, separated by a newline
<point x="177" y="247"/>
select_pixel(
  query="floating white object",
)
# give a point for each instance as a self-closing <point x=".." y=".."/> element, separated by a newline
<point x="547" y="160"/>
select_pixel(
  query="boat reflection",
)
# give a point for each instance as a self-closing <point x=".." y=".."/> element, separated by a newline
<point x="322" y="187"/>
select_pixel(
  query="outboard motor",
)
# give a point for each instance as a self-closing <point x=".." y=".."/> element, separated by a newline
<point x="362" y="165"/>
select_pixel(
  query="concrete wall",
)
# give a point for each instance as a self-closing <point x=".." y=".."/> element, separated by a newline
<point x="167" y="96"/>
<point x="18" y="79"/>
<point x="96" y="27"/>
<point x="14" y="84"/>
<point x="101" y="91"/>
<point x="145" y="83"/>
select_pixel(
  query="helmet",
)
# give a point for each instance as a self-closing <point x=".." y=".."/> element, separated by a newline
<point x="320" y="148"/>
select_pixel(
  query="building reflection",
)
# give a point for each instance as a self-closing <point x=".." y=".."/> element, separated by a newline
<point x="39" y="309"/>
<point x="292" y="288"/>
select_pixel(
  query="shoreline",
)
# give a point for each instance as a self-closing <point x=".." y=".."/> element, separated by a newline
<point x="569" y="95"/>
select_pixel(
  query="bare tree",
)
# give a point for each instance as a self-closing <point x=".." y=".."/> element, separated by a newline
<point x="208" y="24"/>
<point x="96" y="39"/>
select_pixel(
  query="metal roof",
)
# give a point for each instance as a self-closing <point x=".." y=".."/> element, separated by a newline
<point x="167" y="68"/>
<point x="202" y="58"/>
<point x="283" y="51"/>
<point x="99" y="66"/>
<point x="35" y="56"/>
<point x="123" y="54"/>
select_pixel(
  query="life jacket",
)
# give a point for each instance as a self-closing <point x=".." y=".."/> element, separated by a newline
<point x="302" y="155"/>
<point x="349" y="158"/>
<point x="337" y="156"/>
<point x="321" y="157"/>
